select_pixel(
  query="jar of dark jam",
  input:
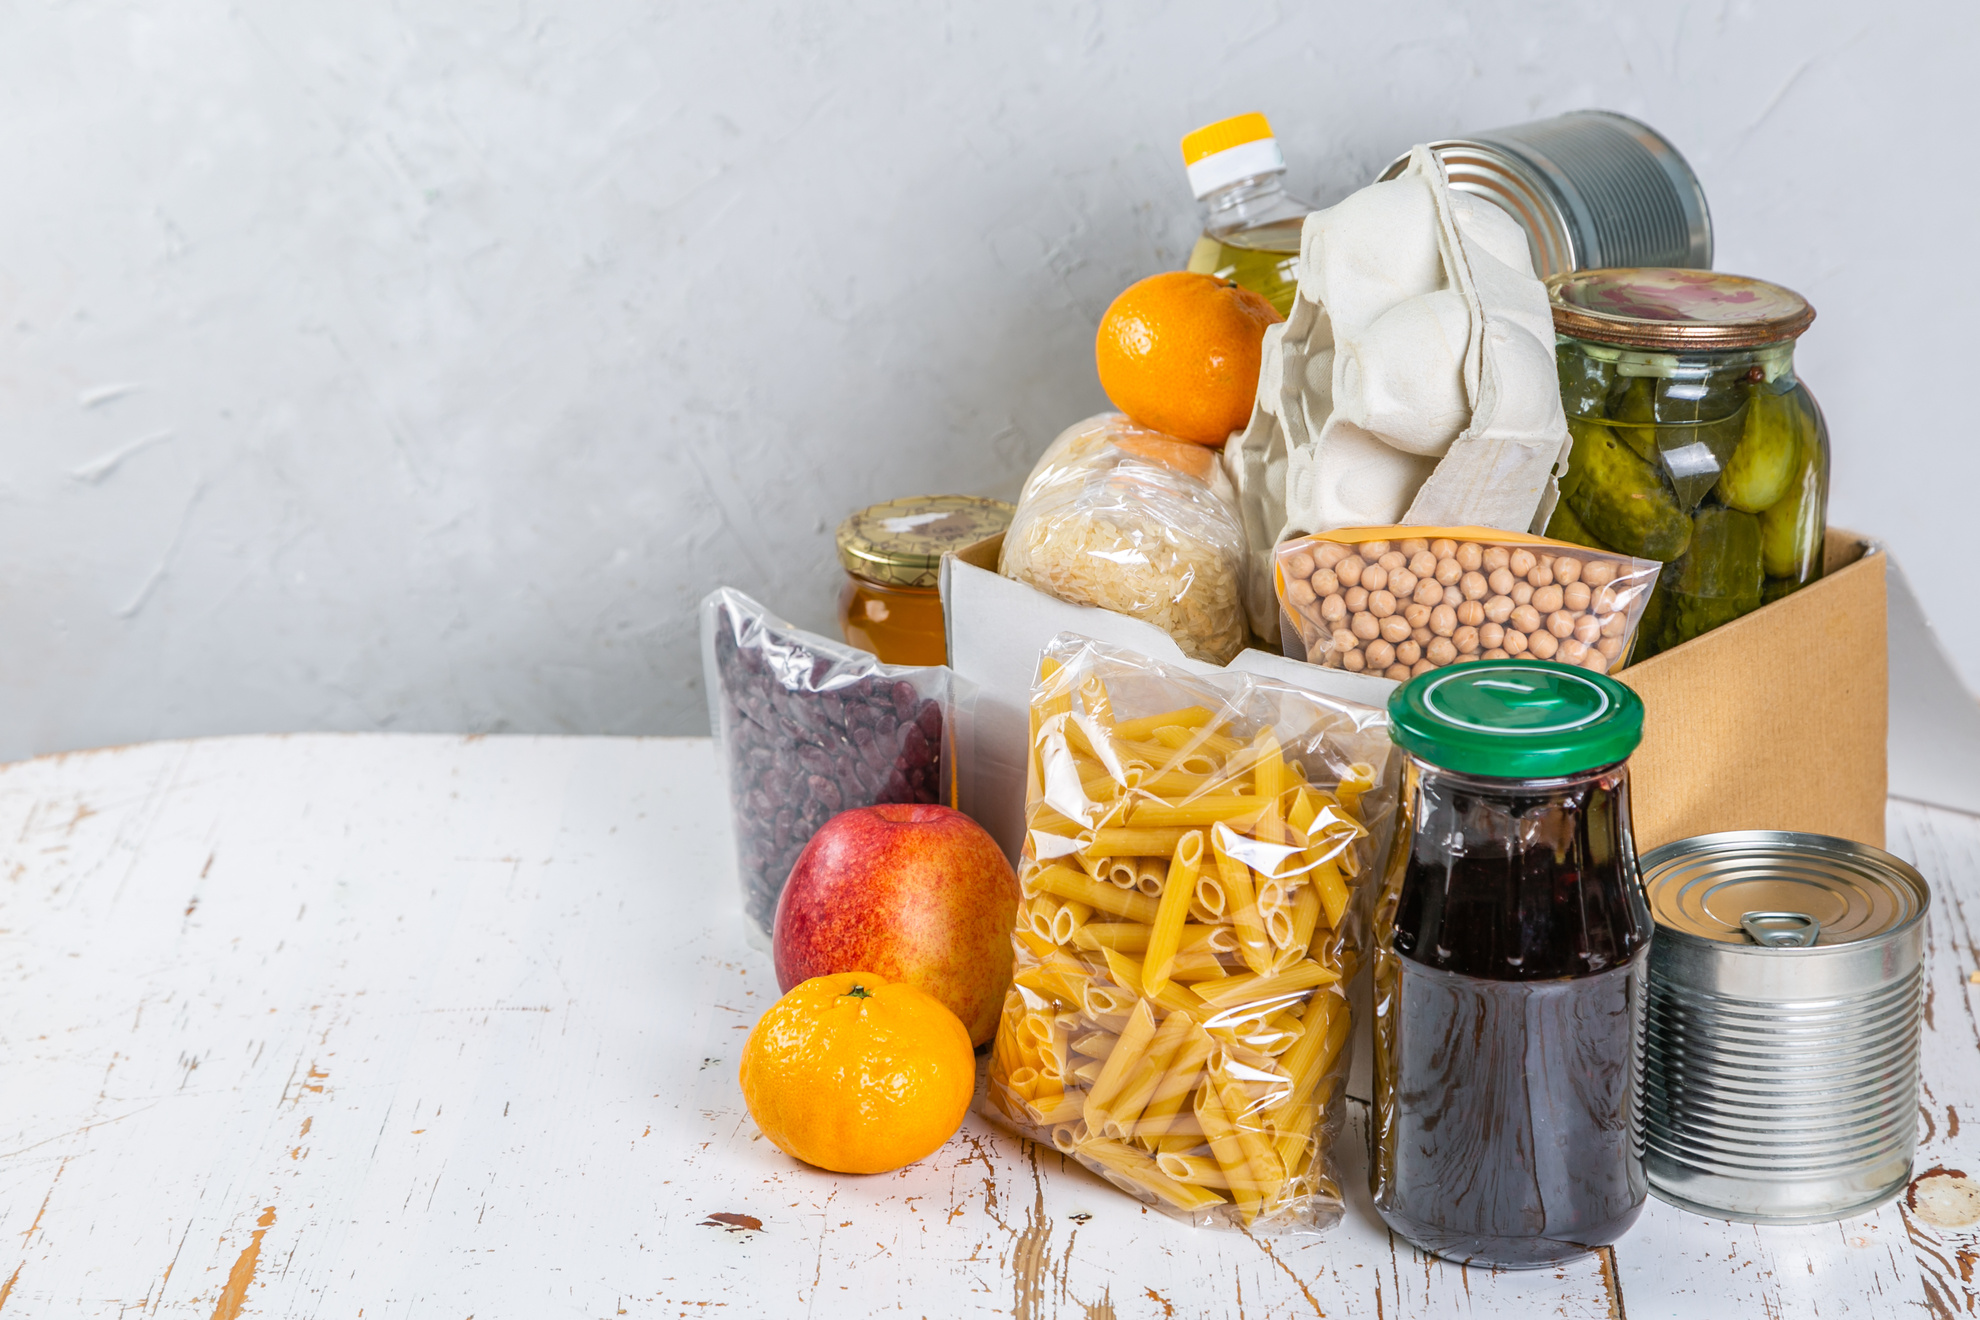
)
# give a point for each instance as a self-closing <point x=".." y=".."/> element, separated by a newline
<point x="1511" y="946"/>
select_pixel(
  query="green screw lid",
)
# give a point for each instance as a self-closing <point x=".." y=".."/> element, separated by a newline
<point x="1516" y="719"/>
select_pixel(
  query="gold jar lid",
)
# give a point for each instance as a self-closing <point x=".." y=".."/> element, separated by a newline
<point x="901" y="542"/>
<point x="1673" y="309"/>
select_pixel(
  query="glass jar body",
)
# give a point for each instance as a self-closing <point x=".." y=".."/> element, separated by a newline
<point x="1511" y="948"/>
<point x="901" y="625"/>
<point x="1715" y="463"/>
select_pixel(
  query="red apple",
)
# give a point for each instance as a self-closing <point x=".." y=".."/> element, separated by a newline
<point x="914" y="893"/>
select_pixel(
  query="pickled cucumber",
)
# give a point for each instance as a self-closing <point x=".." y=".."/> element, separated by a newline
<point x="1585" y="382"/>
<point x="1791" y="528"/>
<point x="1699" y="423"/>
<point x="1719" y="578"/>
<point x="1633" y="407"/>
<point x="1620" y="498"/>
<point x="1768" y="456"/>
<point x="1564" y="526"/>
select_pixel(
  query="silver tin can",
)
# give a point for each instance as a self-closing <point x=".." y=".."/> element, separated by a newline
<point x="1782" y="1037"/>
<point x="1592" y="189"/>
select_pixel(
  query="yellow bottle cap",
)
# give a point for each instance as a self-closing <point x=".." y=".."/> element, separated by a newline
<point x="1220" y="154"/>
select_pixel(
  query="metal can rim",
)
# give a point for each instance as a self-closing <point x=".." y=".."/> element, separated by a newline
<point x="1657" y="857"/>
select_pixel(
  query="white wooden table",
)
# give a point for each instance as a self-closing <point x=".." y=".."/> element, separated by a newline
<point x="395" y="1026"/>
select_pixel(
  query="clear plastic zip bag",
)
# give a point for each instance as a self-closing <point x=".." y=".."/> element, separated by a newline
<point x="1195" y="900"/>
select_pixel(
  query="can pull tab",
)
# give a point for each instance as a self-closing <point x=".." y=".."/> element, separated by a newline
<point x="1780" y="930"/>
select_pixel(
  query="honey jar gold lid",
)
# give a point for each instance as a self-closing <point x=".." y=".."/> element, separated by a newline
<point x="901" y="543"/>
<point x="1675" y="308"/>
<point x="1782" y="890"/>
<point x="1516" y="719"/>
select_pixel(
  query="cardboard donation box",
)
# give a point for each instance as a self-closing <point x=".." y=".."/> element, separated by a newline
<point x="1776" y="720"/>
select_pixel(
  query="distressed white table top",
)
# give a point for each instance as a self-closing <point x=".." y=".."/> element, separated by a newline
<point x="384" y="1026"/>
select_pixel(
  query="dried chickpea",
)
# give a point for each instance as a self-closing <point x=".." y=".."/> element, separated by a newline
<point x="1607" y="600"/>
<point x="1448" y="571"/>
<point x="1327" y="554"/>
<point x="1598" y="573"/>
<point x="1422" y="636"/>
<point x="1374" y="550"/>
<point x="1521" y="561"/>
<point x="1473" y="586"/>
<point x="1381" y="604"/>
<point x="1567" y="569"/>
<point x="1453" y="596"/>
<point x="1408" y="653"/>
<point x="1587" y="629"/>
<point x="1366" y="626"/>
<point x="1443" y="547"/>
<point x="1576" y="595"/>
<point x="1428" y="592"/>
<point x="1470" y="556"/>
<point x="1299" y="564"/>
<point x="1467" y="659"/>
<point x="1560" y="623"/>
<point x="1525" y="619"/>
<point x="1610" y="647"/>
<point x="1494" y="653"/>
<point x="1496" y="556"/>
<point x="1381" y="654"/>
<point x="1395" y="628"/>
<point x="1443" y="621"/>
<point x="1417" y="613"/>
<point x="1543" y="645"/>
<point x="1329" y="659"/>
<point x="1299" y="593"/>
<point x="1423" y="563"/>
<point x="1471" y="614"/>
<point x="1353" y="661"/>
<point x="1499" y="608"/>
<point x="1333" y="609"/>
<point x="1541" y="574"/>
<point x="1547" y="599"/>
<point x="1440" y="651"/>
<point x="1356" y="598"/>
<point x="1414" y="546"/>
<point x="1465" y="639"/>
<point x="1571" y="652"/>
<point x="1402" y="582"/>
<point x="1596" y="661"/>
<point x="1345" y="640"/>
<point x="1325" y="582"/>
<point x="1501" y="581"/>
<point x="1398" y="672"/>
<point x="1522" y="592"/>
<point x="1491" y="635"/>
<point x="1614" y="625"/>
<point x="1375" y="577"/>
<point x="1349" y="569"/>
<point x="1393" y="560"/>
<point x="1515" y="642"/>
<point x="1420" y="667"/>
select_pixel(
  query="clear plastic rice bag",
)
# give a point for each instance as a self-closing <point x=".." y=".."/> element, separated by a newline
<point x="1195" y="878"/>
<point x="1137" y="522"/>
<point x="806" y="727"/>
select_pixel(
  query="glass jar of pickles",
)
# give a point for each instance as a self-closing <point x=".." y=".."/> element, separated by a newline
<point x="891" y="604"/>
<point x="1695" y="444"/>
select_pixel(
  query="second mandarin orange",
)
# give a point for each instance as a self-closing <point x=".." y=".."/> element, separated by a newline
<point x="1179" y="352"/>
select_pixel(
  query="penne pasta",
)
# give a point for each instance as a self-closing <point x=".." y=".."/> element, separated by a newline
<point x="1151" y="877"/>
<point x="1140" y="1086"/>
<point x="1141" y="1172"/>
<point x="1209" y="809"/>
<point x="1127" y="973"/>
<point x="1165" y="932"/>
<point x="1221" y="1135"/>
<point x="1302" y="975"/>
<point x="1067" y="920"/>
<point x="1065" y="882"/>
<point x="1159" y="1115"/>
<point x="1188" y="718"/>
<point x="1121" y="1059"/>
<point x="1136" y="841"/>
<point x="1235" y="877"/>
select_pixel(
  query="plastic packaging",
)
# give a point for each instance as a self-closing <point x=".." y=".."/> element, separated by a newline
<point x="806" y="727"/>
<point x="1399" y="601"/>
<point x="1194" y="907"/>
<point x="1134" y="521"/>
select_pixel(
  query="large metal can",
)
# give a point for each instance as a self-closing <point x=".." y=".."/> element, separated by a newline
<point x="1592" y="188"/>
<point x="1781" y="1068"/>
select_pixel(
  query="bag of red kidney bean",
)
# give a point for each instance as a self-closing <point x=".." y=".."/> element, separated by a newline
<point x="806" y="727"/>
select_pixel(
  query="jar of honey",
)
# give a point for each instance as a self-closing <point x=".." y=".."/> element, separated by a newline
<point x="892" y="553"/>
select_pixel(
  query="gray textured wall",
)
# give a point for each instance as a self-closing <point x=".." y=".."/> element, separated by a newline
<point x="419" y="366"/>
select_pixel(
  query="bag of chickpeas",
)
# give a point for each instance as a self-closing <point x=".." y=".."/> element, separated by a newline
<point x="1397" y="601"/>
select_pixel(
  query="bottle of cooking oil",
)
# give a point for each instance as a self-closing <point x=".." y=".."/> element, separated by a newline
<point x="1250" y="224"/>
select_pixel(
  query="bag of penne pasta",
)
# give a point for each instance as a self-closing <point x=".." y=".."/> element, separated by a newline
<point x="1196" y="873"/>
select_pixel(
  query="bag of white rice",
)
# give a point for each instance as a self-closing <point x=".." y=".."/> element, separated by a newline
<point x="1137" y="522"/>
